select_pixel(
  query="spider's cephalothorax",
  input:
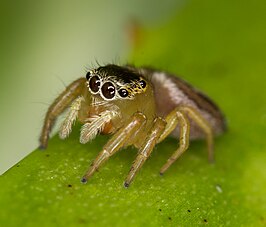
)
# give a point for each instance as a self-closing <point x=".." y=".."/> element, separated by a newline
<point x="141" y="107"/>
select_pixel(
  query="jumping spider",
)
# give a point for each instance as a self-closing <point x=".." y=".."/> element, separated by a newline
<point x="141" y="107"/>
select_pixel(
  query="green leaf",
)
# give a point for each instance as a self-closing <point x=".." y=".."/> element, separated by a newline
<point x="219" y="46"/>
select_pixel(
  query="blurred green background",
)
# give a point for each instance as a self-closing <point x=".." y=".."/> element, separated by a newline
<point x="46" y="44"/>
<point x="218" y="46"/>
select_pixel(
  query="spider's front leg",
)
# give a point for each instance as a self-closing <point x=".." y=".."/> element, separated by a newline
<point x="146" y="149"/>
<point x="121" y="137"/>
<point x="179" y="116"/>
<point x="71" y="92"/>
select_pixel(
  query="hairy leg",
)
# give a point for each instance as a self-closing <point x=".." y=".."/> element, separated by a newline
<point x="137" y="121"/>
<point x="171" y="123"/>
<point x="184" y="128"/>
<point x="205" y="126"/>
<point x="179" y="116"/>
<point x="72" y="115"/>
<point x="146" y="149"/>
<point x="71" y="92"/>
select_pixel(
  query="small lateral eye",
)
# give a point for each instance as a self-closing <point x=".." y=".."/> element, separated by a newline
<point x="123" y="92"/>
<point x="88" y="75"/>
<point x="142" y="83"/>
<point x="95" y="84"/>
<point x="108" y="90"/>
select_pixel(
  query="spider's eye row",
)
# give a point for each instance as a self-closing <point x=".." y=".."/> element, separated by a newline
<point x="142" y="83"/>
<point x="108" y="90"/>
<point x="123" y="92"/>
<point x="95" y="84"/>
<point x="88" y="75"/>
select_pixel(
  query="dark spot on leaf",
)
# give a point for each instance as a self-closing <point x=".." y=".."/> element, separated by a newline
<point x="160" y="209"/>
<point x="18" y="165"/>
<point x="170" y="218"/>
<point x="82" y="221"/>
<point x="205" y="220"/>
<point x="47" y="155"/>
<point x="69" y="185"/>
<point x="188" y="210"/>
<point x="84" y="180"/>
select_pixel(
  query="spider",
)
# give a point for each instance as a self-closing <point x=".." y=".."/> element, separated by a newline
<point x="140" y="107"/>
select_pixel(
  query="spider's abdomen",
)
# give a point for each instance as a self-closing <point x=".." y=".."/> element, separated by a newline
<point x="171" y="92"/>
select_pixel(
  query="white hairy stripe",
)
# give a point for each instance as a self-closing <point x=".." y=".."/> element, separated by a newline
<point x="175" y="94"/>
<point x="90" y="130"/>
<point x="66" y="126"/>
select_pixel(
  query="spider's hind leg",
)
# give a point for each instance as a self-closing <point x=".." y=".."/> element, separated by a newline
<point x="206" y="128"/>
<point x="179" y="115"/>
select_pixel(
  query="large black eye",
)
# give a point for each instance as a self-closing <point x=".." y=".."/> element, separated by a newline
<point x="123" y="92"/>
<point x="88" y="75"/>
<point x="95" y="84"/>
<point x="108" y="90"/>
<point x="142" y="83"/>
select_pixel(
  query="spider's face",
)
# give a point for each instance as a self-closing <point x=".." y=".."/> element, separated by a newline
<point x="113" y="82"/>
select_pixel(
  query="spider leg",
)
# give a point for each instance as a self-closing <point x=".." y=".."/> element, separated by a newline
<point x="205" y="126"/>
<point x="71" y="92"/>
<point x="137" y="121"/>
<point x="184" y="128"/>
<point x="179" y="116"/>
<point x="146" y="149"/>
<point x="171" y="123"/>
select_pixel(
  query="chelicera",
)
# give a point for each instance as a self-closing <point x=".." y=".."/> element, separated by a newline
<point x="140" y="107"/>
